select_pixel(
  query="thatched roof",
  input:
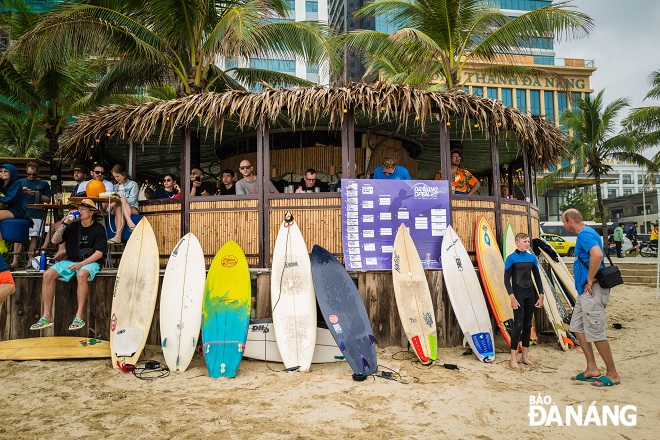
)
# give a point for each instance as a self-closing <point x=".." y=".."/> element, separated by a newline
<point x="302" y="108"/>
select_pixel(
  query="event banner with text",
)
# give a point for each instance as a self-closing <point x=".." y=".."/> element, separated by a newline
<point x="373" y="210"/>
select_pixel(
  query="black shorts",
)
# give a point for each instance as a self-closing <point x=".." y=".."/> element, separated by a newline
<point x="634" y="242"/>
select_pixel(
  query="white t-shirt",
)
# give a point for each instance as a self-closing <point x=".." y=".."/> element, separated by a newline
<point x="82" y="188"/>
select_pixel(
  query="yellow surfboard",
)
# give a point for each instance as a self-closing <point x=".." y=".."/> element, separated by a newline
<point x="491" y="270"/>
<point x="54" y="347"/>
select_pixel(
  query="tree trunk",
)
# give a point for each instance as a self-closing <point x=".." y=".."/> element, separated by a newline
<point x="601" y="211"/>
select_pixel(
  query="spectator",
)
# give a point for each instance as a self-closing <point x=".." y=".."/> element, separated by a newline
<point x="128" y="191"/>
<point x="148" y="193"/>
<point x="463" y="181"/>
<point x="169" y="190"/>
<point x="7" y="285"/>
<point x="618" y="240"/>
<point x="197" y="186"/>
<point x="228" y="187"/>
<point x="632" y="236"/>
<point x="310" y="183"/>
<point x="30" y="185"/>
<point x="11" y="198"/>
<point x="249" y="183"/>
<point x="504" y="192"/>
<point x="98" y="173"/>
<point x="79" y="177"/>
<point x="85" y="248"/>
<point x="390" y="170"/>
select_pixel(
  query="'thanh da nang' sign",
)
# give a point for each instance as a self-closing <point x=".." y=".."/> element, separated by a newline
<point x="517" y="81"/>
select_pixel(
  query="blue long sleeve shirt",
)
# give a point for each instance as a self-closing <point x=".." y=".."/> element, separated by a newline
<point x="519" y="267"/>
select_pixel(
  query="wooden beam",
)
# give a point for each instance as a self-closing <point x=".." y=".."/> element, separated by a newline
<point x="131" y="154"/>
<point x="495" y="162"/>
<point x="185" y="181"/>
<point x="528" y="189"/>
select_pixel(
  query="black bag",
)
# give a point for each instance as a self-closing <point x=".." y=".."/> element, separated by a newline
<point x="607" y="277"/>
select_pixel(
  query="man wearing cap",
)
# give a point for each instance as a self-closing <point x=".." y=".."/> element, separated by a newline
<point x="86" y="245"/>
<point x="79" y="177"/>
<point x="98" y="173"/>
<point x="390" y="170"/>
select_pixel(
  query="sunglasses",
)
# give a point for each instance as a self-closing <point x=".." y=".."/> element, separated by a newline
<point x="32" y="174"/>
<point x="245" y="167"/>
<point x="167" y="180"/>
<point x="99" y="172"/>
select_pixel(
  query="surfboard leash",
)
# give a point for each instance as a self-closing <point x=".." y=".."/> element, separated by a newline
<point x="150" y="370"/>
<point x="388" y="373"/>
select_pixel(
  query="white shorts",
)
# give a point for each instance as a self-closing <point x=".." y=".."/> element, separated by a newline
<point x="34" y="230"/>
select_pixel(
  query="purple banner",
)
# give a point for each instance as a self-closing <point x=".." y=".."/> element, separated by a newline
<point x="373" y="210"/>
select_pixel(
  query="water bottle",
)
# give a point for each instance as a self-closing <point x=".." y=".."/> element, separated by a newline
<point x="37" y="196"/>
<point x="73" y="216"/>
<point x="42" y="261"/>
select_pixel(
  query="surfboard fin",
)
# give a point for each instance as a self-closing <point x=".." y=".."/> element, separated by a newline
<point x="373" y="340"/>
<point x="342" y="346"/>
<point x="568" y="341"/>
<point x="164" y="343"/>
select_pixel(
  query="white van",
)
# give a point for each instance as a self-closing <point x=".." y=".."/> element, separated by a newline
<point x="558" y="228"/>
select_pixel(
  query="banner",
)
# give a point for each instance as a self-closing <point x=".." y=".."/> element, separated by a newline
<point x="372" y="211"/>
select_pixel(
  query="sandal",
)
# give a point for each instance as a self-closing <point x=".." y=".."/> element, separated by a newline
<point x="132" y="229"/>
<point x="41" y="324"/>
<point x="115" y="243"/>
<point x="77" y="324"/>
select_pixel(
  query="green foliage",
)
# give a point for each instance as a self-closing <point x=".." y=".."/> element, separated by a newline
<point x="437" y="38"/>
<point x="582" y="201"/>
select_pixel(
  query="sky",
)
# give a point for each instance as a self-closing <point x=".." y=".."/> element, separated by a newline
<point x="625" y="45"/>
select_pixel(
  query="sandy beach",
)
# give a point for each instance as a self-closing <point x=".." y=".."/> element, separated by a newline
<point x="58" y="399"/>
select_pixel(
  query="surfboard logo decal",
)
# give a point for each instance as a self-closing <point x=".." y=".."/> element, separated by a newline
<point x="397" y="261"/>
<point x="333" y="319"/>
<point x="113" y="322"/>
<point x="459" y="264"/>
<point x="428" y="318"/>
<point x="337" y="328"/>
<point x="229" y="261"/>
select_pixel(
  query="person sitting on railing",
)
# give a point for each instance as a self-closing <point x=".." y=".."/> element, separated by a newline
<point x="249" y="184"/>
<point x="197" y="186"/>
<point x="11" y="198"/>
<point x="128" y="204"/>
<point x="391" y="171"/>
<point x="85" y="248"/>
<point x="170" y="189"/>
<point x="228" y="187"/>
<point x="310" y="183"/>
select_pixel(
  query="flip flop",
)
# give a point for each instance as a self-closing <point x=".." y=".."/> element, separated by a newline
<point x="132" y="229"/>
<point x="41" y="324"/>
<point x="583" y="378"/>
<point x="605" y="382"/>
<point x="77" y="324"/>
<point x="112" y="242"/>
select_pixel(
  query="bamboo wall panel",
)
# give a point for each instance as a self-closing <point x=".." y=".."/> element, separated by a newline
<point x="293" y="200"/>
<point x="513" y="207"/>
<point x="465" y="220"/>
<point x="213" y="229"/>
<point x="223" y="204"/>
<point x="518" y="222"/>
<point x="167" y="228"/>
<point x="387" y="148"/>
<point x="377" y="292"/>
<point x="320" y="226"/>
<point x="536" y="228"/>
<point x="146" y="208"/>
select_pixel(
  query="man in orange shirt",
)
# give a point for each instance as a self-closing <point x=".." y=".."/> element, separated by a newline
<point x="463" y="182"/>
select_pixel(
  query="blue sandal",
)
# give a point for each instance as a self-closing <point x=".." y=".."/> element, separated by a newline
<point x="41" y="324"/>
<point x="77" y="324"/>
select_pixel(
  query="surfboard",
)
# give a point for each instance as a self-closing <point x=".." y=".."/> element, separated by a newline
<point x="292" y="297"/>
<point x="491" y="270"/>
<point x="261" y="343"/>
<point x="226" y="311"/>
<point x="509" y="247"/>
<point x="181" y="303"/>
<point x="413" y="297"/>
<point x="563" y="275"/>
<point x="54" y="347"/>
<point x="134" y="295"/>
<point x="344" y="312"/>
<point x="550" y="306"/>
<point x="466" y="296"/>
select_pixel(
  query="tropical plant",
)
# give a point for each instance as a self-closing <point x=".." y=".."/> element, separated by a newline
<point x="593" y="140"/>
<point x="644" y="122"/>
<point x="583" y="201"/>
<point x="437" y="38"/>
<point x="181" y="42"/>
<point x="21" y="136"/>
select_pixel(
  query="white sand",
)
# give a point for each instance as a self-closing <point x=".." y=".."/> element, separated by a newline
<point x="58" y="399"/>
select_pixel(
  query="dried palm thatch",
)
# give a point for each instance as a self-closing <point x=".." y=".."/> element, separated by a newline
<point x="303" y="107"/>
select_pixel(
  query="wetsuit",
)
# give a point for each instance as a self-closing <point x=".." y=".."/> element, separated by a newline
<point x="518" y="268"/>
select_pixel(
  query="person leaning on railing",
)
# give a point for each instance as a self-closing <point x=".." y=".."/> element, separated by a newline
<point x="463" y="182"/>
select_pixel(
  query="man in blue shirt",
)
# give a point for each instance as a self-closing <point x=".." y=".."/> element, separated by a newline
<point x="390" y="170"/>
<point x="588" y="320"/>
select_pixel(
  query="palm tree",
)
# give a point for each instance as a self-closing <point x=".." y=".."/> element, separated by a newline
<point x="437" y="38"/>
<point x="180" y="42"/>
<point x="645" y="121"/>
<point x="593" y="140"/>
<point x="21" y="136"/>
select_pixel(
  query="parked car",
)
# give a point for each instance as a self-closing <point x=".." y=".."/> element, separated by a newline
<point x="562" y="246"/>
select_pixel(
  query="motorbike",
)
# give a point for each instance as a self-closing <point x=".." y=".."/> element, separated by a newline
<point x="649" y="249"/>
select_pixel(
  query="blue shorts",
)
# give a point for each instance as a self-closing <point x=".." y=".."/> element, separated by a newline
<point x="62" y="267"/>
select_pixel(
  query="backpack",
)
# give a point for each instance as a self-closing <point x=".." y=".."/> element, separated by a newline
<point x="629" y="234"/>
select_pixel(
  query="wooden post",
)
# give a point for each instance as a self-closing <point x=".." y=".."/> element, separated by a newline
<point x="131" y="165"/>
<point x="445" y="154"/>
<point x="348" y="144"/>
<point x="264" y="192"/>
<point x="495" y="159"/>
<point x="185" y="181"/>
<point x="528" y="189"/>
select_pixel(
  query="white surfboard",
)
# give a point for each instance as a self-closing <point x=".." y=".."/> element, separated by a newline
<point x="467" y="298"/>
<point x="261" y="344"/>
<point x="181" y="303"/>
<point x="134" y="296"/>
<point x="413" y="297"/>
<point x="563" y="275"/>
<point x="292" y="297"/>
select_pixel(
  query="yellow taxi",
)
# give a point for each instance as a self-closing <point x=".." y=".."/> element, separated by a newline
<point x="561" y="245"/>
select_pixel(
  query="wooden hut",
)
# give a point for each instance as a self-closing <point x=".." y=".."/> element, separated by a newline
<point x="331" y="129"/>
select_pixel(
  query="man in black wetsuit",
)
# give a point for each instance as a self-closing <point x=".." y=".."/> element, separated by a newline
<point x="519" y="267"/>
